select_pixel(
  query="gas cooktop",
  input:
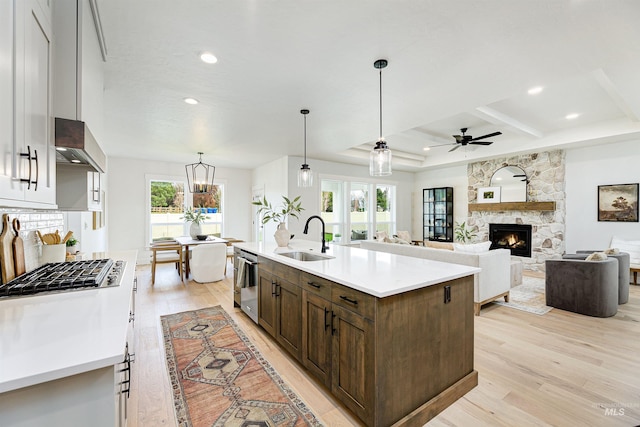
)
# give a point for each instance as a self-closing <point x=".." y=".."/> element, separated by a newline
<point x="66" y="276"/>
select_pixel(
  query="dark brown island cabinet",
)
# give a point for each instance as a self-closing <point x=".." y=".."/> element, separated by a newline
<point x="398" y="360"/>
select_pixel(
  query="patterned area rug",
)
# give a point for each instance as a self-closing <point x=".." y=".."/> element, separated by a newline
<point x="528" y="297"/>
<point x="219" y="378"/>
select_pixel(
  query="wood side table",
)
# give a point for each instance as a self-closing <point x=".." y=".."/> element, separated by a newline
<point x="635" y="270"/>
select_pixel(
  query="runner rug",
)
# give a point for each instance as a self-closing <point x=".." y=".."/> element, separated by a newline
<point x="219" y="378"/>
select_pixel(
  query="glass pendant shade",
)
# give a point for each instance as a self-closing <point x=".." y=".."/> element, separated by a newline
<point x="305" y="176"/>
<point x="200" y="177"/>
<point x="380" y="156"/>
<point x="380" y="160"/>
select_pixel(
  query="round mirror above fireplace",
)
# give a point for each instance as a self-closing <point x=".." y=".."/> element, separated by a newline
<point x="512" y="181"/>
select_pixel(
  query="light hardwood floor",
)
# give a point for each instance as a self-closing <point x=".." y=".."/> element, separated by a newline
<point x="560" y="369"/>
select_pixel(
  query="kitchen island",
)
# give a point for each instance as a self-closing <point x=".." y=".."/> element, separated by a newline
<point x="390" y="336"/>
<point x="61" y="354"/>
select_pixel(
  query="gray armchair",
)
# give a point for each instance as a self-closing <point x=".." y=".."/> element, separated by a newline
<point x="624" y="271"/>
<point x="584" y="287"/>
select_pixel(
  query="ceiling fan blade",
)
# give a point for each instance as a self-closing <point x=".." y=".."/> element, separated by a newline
<point x="481" y="142"/>
<point x="455" y="148"/>
<point x="457" y="137"/>
<point x="489" y="135"/>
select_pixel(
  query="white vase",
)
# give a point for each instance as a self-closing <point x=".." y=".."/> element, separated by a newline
<point x="282" y="235"/>
<point x="194" y="230"/>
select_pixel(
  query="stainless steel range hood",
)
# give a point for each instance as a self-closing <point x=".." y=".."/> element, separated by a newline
<point x="76" y="145"/>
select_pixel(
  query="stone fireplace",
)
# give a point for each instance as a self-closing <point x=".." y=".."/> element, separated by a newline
<point x="515" y="237"/>
<point x="545" y="172"/>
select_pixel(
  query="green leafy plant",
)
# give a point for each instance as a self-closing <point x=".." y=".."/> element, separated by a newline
<point x="279" y="214"/>
<point x="462" y="233"/>
<point x="72" y="241"/>
<point x="194" y="215"/>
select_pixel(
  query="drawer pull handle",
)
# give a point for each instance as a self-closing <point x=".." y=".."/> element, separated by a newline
<point x="333" y="329"/>
<point x="326" y="324"/>
<point x="313" y="284"/>
<point x="273" y="288"/>
<point x="347" y="299"/>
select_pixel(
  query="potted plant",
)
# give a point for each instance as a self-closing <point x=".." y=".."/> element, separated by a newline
<point x="462" y="233"/>
<point x="71" y="245"/>
<point x="195" y="217"/>
<point x="279" y="215"/>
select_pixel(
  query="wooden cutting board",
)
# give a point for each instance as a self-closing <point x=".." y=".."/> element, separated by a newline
<point x="6" y="250"/>
<point x="18" y="249"/>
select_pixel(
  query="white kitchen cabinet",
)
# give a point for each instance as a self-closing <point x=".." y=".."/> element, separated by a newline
<point x="28" y="157"/>
<point x="80" y="53"/>
<point x="79" y="188"/>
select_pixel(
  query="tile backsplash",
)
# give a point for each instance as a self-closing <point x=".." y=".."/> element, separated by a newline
<point x="46" y="222"/>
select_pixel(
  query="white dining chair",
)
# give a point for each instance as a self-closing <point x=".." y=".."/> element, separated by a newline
<point x="208" y="262"/>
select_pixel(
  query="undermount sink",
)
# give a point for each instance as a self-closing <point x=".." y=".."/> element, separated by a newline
<point x="305" y="256"/>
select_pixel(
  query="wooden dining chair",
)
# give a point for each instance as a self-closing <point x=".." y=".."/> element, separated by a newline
<point x="166" y="252"/>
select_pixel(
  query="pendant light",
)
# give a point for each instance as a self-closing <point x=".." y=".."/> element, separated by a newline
<point x="200" y="177"/>
<point x="380" y="156"/>
<point x="305" y="177"/>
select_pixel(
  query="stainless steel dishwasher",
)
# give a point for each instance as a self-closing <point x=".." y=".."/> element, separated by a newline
<point x="247" y="282"/>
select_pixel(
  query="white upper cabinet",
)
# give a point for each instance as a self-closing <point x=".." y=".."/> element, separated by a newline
<point x="28" y="158"/>
<point x="78" y="63"/>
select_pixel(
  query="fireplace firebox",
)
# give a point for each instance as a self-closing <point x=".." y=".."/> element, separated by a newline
<point x="515" y="237"/>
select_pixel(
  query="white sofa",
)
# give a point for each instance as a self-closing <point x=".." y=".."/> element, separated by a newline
<point x="493" y="282"/>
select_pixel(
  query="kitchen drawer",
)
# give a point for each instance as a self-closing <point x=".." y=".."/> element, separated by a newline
<point x="316" y="285"/>
<point x="265" y="264"/>
<point x="283" y="271"/>
<point x="353" y="300"/>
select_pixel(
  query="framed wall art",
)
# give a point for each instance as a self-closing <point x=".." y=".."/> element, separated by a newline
<point x="618" y="203"/>
<point x="489" y="195"/>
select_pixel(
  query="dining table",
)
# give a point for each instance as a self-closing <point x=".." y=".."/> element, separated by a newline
<point x="186" y="241"/>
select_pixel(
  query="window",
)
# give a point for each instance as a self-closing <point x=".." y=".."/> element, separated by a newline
<point x="167" y="208"/>
<point x="167" y="201"/>
<point x="211" y="204"/>
<point x="332" y="209"/>
<point x="351" y="213"/>
<point x="359" y="217"/>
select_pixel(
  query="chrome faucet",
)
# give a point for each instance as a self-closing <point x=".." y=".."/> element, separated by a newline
<point x="306" y="230"/>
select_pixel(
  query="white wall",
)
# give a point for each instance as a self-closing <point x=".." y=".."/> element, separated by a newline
<point x="586" y="168"/>
<point x="126" y="201"/>
<point x="456" y="177"/>
<point x="273" y="179"/>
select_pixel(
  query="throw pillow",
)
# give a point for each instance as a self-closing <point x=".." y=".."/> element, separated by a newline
<point x="632" y="247"/>
<point x="612" y="251"/>
<point x="404" y="235"/>
<point x="439" y="245"/>
<point x="597" y="256"/>
<point x="381" y="236"/>
<point x="474" y="248"/>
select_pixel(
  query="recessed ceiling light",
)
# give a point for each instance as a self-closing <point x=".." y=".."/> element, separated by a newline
<point x="535" y="90"/>
<point x="208" y="57"/>
<point x="61" y="149"/>
<point x="191" y="101"/>
<point x="427" y="148"/>
<point x="572" y="116"/>
<point x="75" y="161"/>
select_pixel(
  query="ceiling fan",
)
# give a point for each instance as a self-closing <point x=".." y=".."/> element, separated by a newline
<point x="463" y="140"/>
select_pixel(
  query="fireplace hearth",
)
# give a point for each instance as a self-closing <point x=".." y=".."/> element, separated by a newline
<point x="515" y="237"/>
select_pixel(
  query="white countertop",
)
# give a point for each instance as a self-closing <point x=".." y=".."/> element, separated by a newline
<point x="379" y="274"/>
<point x="49" y="336"/>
